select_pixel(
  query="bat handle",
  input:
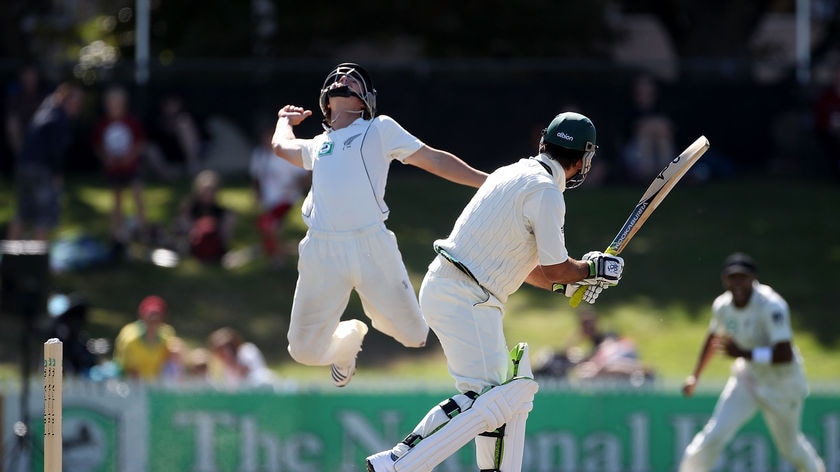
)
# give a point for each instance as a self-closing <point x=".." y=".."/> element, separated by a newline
<point x="577" y="297"/>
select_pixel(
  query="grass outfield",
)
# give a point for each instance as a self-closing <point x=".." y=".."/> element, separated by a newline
<point x="663" y="302"/>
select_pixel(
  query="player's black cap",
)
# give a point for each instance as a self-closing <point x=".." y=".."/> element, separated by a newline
<point x="739" y="263"/>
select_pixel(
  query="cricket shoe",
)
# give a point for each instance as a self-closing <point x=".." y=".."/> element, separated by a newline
<point x="349" y="335"/>
<point x="381" y="462"/>
<point x="341" y="376"/>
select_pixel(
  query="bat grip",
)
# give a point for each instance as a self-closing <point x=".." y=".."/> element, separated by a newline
<point x="577" y="297"/>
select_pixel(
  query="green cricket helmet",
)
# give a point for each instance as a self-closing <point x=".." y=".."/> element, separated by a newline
<point x="573" y="131"/>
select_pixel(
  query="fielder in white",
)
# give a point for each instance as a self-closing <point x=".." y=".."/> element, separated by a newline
<point x="347" y="245"/>
<point x="751" y="323"/>
<point x="510" y="232"/>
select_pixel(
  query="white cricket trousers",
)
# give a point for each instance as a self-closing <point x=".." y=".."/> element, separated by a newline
<point x="468" y="323"/>
<point x="737" y="405"/>
<point x="330" y="265"/>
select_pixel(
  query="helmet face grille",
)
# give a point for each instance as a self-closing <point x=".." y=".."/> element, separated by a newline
<point x="577" y="179"/>
<point x="355" y="73"/>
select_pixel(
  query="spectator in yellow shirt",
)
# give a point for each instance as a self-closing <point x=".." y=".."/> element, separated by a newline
<point x="142" y="349"/>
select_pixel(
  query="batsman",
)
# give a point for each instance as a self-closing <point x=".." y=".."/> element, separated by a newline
<point x="510" y="232"/>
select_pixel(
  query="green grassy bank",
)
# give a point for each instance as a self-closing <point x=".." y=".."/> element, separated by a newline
<point x="792" y="228"/>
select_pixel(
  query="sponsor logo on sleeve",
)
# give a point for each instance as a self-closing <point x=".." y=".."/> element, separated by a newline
<point x="326" y="149"/>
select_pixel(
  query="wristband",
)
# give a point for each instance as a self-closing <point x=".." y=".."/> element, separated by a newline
<point x="592" y="271"/>
<point x="762" y="355"/>
<point x="559" y="288"/>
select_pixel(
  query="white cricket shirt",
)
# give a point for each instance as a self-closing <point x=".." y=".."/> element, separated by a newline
<point x="349" y="172"/>
<point x="765" y="321"/>
<point x="513" y="222"/>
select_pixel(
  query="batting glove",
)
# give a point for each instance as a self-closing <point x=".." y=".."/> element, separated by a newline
<point x="589" y="295"/>
<point x="604" y="269"/>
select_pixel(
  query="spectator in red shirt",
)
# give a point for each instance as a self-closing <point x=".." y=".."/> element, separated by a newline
<point x="119" y="140"/>
<point x="206" y="223"/>
<point x="827" y="123"/>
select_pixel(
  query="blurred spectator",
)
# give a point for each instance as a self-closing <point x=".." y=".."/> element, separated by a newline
<point x="278" y="185"/>
<point x="174" y="368"/>
<point x="197" y="365"/>
<point x="174" y="136"/>
<point x="23" y="98"/>
<point x="827" y="123"/>
<point x="118" y="140"/>
<point x="39" y="175"/>
<point x="69" y="317"/>
<point x="205" y="225"/>
<point x="615" y="360"/>
<point x="142" y="348"/>
<point x="650" y="144"/>
<point x="236" y="362"/>
<point x="595" y="354"/>
<point x="580" y="347"/>
<point x="589" y="332"/>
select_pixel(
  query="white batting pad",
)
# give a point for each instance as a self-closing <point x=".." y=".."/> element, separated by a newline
<point x="514" y="443"/>
<point x="490" y="411"/>
<point x="485" y="451"/>
<point x="437" y="416"/>
<point x="521" y="358"/>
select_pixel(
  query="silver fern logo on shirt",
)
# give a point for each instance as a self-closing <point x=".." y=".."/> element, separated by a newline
<point x="349" y="141"/>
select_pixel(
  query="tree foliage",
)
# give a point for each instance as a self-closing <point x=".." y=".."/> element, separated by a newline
<point x="444" y="29"/>
<point x="711" y="28"/>
<point x="387" y="29"/>
<point x="205" y="28"/>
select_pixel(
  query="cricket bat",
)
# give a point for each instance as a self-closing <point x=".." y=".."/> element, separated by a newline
<point x="653" y="196"/>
